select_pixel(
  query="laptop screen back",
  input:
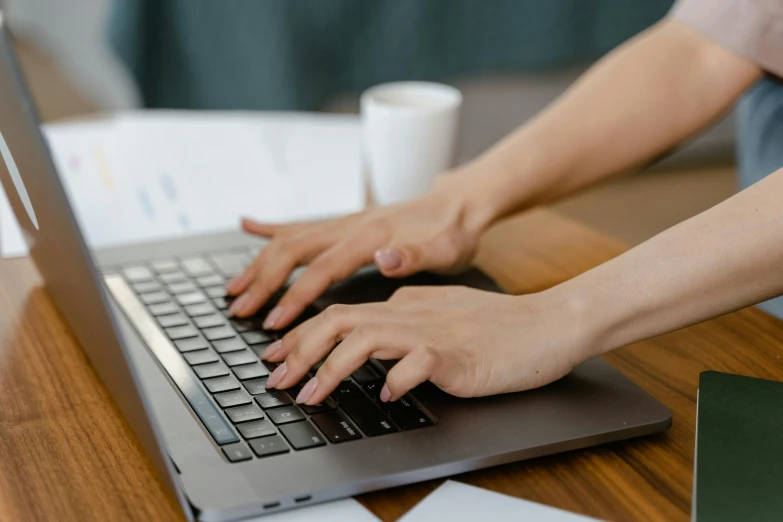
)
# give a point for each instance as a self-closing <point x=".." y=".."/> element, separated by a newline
<point x="39" y="201"/>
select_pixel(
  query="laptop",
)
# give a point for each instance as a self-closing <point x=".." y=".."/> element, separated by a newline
<point x="187" y="378"/>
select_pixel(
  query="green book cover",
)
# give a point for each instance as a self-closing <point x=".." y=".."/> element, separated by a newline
<point x="739" y="449"/>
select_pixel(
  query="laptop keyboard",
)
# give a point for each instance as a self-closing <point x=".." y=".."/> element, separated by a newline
<point x="186" y="298"/>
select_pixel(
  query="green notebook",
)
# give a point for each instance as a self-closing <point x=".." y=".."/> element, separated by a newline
<point x="739" y="449"/>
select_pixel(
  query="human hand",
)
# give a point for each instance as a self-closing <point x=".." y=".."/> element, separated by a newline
<point x="437" y="232"/>
<point x="467" y="342"/>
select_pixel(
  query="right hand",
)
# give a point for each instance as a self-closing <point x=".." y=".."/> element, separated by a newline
<point x="435" y="232"/>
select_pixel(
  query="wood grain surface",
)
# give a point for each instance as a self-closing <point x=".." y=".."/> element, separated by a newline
<point x="66" y="454"/>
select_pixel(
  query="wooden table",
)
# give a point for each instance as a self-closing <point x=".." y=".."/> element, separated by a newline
<point x="66" y="454"/>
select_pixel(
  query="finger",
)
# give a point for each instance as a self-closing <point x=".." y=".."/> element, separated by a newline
<point x="384" y="341"/>
<point x="417" y="293"/>
<point x="310" y="345"/>
<point x="271" y="270"/>
<point x="266" y="229"/>
<point x="333" y="265"/>
<point x="239" y="284"/>
<point x="412" y="370"/>
<point x="402" y="260"/>
<point x="406" y="258"/>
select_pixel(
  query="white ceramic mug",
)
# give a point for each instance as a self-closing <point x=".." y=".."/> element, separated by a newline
<point x="409" y="133"/>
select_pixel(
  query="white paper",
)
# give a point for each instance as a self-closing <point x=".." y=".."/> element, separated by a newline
<point x="149" y="175"/>
<point x="348" y="510"/>
<point x="457" y="502"/>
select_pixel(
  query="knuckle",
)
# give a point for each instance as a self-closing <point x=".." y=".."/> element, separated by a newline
<point x="428" y="356"/>
<point x="404" y="292"/>
<point x="380" y="228"/>
<point x="336" y="312"/>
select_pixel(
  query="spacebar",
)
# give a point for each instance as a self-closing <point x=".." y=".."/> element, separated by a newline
<point x="171" y="361"/>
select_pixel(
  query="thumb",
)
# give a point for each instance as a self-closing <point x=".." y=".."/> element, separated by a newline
<point x="401" y="261"/>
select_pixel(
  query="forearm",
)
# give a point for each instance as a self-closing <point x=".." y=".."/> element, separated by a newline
<point x="639" y="101"/>
<point x="719" y="261"/>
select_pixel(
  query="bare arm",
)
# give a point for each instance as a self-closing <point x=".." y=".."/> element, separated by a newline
<point x="644" y="98"/>
<point x="639" y="101"/>
<point x="724" y="259"/>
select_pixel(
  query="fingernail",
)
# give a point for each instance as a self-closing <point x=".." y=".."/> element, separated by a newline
<point x="272" y="318"/>
<point x="239" y="304"/>
<point x="385" y="394"/>
<point x="271" y="350"/>
<point x="308" y="391"/>
<point x="388" y="259"/>
<point x="276" y="376"/>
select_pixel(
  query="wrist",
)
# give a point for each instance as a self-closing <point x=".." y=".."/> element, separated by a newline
<point x="483" y="197"/>
<point x="587" y="320"/>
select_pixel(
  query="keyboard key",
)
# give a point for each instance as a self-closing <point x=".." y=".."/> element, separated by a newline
<point x="153" y="298"/>
<point x="243" y="325"/>
<point x="207" y="371"/>
<point x="370" y="419"/>
<point x="255" y="386"/>
<point x="257" y="337"/>
<point x="219" y="332"/>
<point x="255" y="429"/>
<point x="215" y="291"/>
<point x="301" y="435"/>
<point x="240" y="358"/>
<point x="192" y="344"/>
<point x="221" y="303"/>
<point x="181" y="332"/>
<point x="173" y="277"/>
<point x="221" y="384"/>
<point x="327" y="405"/>
<point x="191" y="298"/>
<point x="250" y="371"/>
<point x="284" y="414"/>
<point x="137" y="274"/>
<point x="201" y="357"/>
<point x="258" y="349"/>
<point x="199" y="309"/>
<point x="163" y="266"/>
<point x="405" y="414"/>
<point x="196" y="266"/>
<point x="346" y="390"/>
<point x="231" y="264"/>
<point x="233" y="398"/>
<point x="373" y="389"/>
<point x="365" y="375"/>
<point x="237" y="452"/>
<point x="229" y="345"/>
<point x="146" y="287"/>
<point x="208" y="321"/>
<point x="273" y="399"/>
<point x="336" y="427"/>
<point x="268" y="446"/>
<point x="163" y="308"/>
<point x="210" y="280"/>
<point x="181" y="288"/>
<point x="245" y="413"/>
<point x="167" y="321"/>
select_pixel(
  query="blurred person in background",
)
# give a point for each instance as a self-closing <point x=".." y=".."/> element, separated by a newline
<point x="647" y="96"/>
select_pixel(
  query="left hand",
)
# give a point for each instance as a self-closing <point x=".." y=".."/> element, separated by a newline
<point x="468" y="342"/>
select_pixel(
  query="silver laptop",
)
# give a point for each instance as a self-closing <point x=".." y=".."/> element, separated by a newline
<point x="152" y="320"/>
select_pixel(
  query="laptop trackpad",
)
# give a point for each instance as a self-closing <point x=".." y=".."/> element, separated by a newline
<point x="369" y="285"/>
